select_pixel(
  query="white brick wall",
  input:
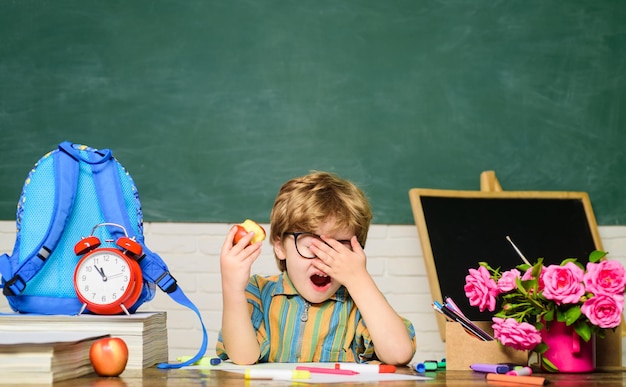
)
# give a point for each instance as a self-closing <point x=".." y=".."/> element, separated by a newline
<point x="191" y="251"/>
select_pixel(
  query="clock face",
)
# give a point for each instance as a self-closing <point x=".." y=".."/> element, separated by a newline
<point x="104" y="277"/>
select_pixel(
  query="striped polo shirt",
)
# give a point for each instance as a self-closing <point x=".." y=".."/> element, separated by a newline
<point x="289" y="329"/>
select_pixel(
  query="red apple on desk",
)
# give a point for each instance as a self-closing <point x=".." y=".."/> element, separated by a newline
<point x="109" y="356"/>
<point x="245" y="227"/>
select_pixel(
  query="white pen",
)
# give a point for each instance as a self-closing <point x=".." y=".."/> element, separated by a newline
<point x="365" y="368"/>
<point x="273" y="374"/>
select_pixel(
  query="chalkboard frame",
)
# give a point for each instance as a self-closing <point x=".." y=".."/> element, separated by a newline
<point x="417" y="197"/>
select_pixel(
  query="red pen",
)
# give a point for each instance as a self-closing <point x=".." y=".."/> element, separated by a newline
<point x="325" y="370"/>
<point x="365" y="368"/>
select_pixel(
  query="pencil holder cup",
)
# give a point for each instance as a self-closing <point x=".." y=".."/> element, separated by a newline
<point x="463" y="349"/>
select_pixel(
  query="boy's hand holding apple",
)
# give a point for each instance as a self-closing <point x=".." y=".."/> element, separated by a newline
<point x="247" y="226"/>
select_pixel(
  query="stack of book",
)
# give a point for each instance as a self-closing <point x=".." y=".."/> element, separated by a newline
<point x="145" y="333"/>
<point x="44" y="357"/>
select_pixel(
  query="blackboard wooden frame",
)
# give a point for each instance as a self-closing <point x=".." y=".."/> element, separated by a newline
<point x="439" y="217"/>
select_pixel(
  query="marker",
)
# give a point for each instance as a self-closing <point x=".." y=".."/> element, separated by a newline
<point x="534" y="380"/>
<point x="367" y="368"/>
<point x="493" y="368"/>
<point x="325" y="370"/>
<point x="521" y="371"/>
<point x="418" y="367"/>
<point x="276" y="374"/>
<point x="427" y="365"/>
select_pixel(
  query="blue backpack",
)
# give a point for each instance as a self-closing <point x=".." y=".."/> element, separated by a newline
<point x="68" y="193"/>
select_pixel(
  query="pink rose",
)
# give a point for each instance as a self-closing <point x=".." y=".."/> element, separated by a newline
<point x="506" y="283"/>
<point x="521" y="336"/>
<point x="481" y="289"/>
<point x="563" y="284"/>
<point x="606" y="277"/>
<point x="604" y="310"/>
<point x="528" y="275"/>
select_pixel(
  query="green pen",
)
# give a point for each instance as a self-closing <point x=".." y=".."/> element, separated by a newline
<point x="428" y="365"/>
<point x="431" y="365"/>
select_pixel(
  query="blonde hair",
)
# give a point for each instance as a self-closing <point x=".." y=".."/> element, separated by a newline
<point x="303" y="203"/>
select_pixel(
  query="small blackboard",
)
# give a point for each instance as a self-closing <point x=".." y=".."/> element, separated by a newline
<point x="459" y="229"/>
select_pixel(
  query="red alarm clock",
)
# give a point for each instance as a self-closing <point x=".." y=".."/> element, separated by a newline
<point x="108" y="280"/>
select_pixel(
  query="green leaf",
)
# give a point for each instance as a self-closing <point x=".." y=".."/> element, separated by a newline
<point x="574" y="261"/>
<point x="548" y="365"/>
<point x="500" y="314"/>
<point x="537" y="268"/>
<point x="583" y="330"/>
<point x="539" y="326"/>
<point x="520" y="286"/>
<point x="597" y="255"/>
<point x="572" y="314"/>
<point x="540" y="348"/>
<point x="565" y="261"/>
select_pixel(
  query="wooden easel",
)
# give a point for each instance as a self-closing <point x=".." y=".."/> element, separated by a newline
<point x="609" y="349"/>
<point x="489" y="182"/>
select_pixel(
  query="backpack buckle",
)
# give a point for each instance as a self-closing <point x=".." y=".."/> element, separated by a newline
<point x="166" y="282"/>
<point x="7" y="291"/>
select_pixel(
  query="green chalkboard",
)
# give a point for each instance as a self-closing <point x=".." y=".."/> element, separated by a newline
<point x="212" y="105"/>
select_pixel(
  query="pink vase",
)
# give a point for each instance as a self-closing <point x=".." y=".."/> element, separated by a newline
<point x="567" y="351"/>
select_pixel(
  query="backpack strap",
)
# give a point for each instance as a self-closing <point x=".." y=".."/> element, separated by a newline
<point x="153" y="268"/>
<point x="66" y="178"/>
<point x="110" y="195"/>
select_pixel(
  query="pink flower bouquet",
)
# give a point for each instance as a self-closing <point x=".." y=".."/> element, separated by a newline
<point x="591" y="298"/>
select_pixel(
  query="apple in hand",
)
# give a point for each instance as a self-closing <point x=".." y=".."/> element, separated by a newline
<point x="244" y="228"/>
<point x="109" y="356"/>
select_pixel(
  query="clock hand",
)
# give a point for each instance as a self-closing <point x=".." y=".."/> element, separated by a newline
<point x="98" y="270"/>
<point x="101" y="272"/>
<point x="116" y="275"/>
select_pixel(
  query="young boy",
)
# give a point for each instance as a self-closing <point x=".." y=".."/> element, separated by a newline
<point x="324" y="306"/>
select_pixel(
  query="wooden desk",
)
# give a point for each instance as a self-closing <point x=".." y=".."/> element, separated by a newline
<point x="153" y="377"/>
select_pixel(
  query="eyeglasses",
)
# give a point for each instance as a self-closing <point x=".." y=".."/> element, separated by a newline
<point x="304" y="241"/>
